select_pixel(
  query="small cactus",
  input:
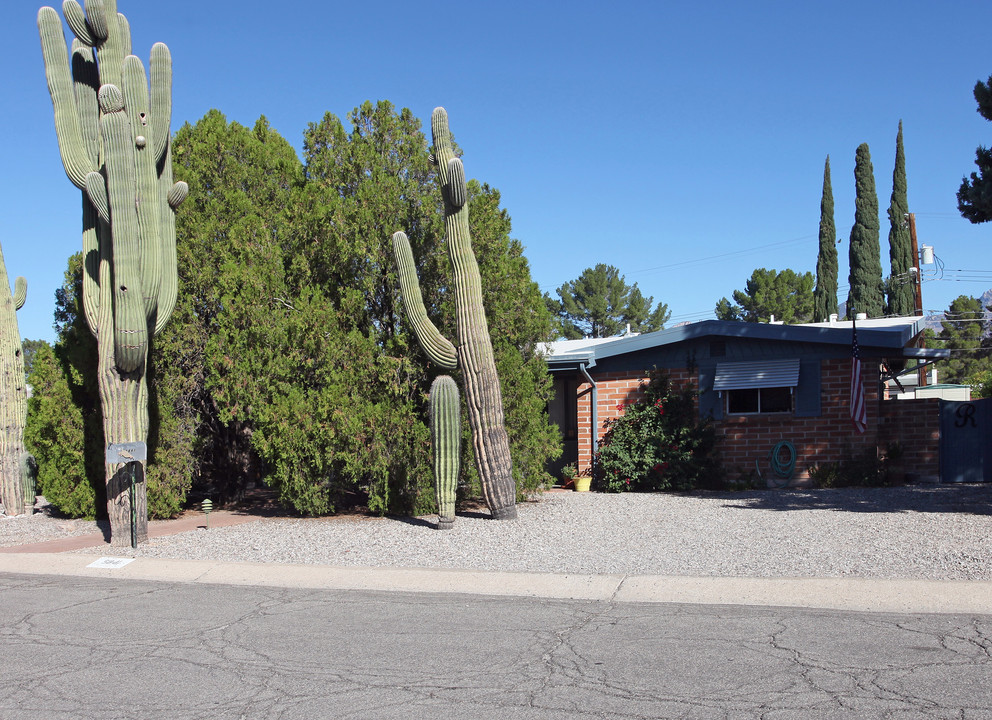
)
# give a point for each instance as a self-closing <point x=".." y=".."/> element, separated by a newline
<point x="446" y="441"/>
<point x="13" y="393"/>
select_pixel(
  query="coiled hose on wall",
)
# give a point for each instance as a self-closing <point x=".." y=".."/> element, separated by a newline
<point x="782" y="469"/>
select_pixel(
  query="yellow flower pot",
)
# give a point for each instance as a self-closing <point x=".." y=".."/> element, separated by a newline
<point x="582" y="483"/>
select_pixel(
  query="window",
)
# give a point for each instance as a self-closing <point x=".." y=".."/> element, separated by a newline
<point x="757" y="387"/>
<point x="759" y="400"/>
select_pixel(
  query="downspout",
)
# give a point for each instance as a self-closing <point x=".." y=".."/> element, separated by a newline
<point x="595" y="417"/>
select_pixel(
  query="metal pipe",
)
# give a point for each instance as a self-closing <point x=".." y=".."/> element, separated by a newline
<point x="594" y="416"/>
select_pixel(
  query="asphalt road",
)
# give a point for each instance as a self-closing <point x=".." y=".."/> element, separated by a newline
<point x="82" y="647"/>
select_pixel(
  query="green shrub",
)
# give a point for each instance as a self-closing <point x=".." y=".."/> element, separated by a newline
<point x="59" y="431"/>
<point x="658" y="443"/>
<point x="865" y="470"/>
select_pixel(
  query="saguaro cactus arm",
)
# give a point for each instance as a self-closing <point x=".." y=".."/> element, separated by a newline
<point x="438" y="348"/>
<point x="446" y="444"/>
<point x="75" y="158"/>
<point x="20" y="292"/>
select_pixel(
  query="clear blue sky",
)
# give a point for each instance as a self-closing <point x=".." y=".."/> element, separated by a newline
<point x="681" y="142"/>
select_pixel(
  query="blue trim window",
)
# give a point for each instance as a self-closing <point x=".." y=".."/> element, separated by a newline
<point x="757" y="388"/>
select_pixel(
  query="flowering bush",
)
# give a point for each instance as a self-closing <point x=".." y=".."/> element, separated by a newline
<point x="658" y="443"/>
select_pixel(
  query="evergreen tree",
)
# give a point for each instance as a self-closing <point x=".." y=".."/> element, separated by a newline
<point x="231" y="236"/>
<point x="975" y="193"/>
<point x="787" y="295"/>
<point x="901" y="284"/>
<point x="600" y="303"/>
<point x="288" y="359"/>
<point x="29" y="349"/>
<point x="825" y="294"/>
<point x="867" y="290"/>
<point x="65" y="428"/>
<point x="965" y="332"/>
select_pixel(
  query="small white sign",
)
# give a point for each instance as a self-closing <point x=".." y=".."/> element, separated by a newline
<point x="110" y="562"/>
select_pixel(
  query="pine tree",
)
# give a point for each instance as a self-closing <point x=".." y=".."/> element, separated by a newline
<point x="867" y="290"/>
<point x="975" y="193"/>
<point x="600" y="303"/>
<point x="964" y="331"/>
<point x="787" y="295"/>
<point x="825" y="294"/>
<point x="900" y="285"/>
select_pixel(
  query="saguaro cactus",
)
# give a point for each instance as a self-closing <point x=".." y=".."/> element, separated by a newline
<point x="474" y="352"/>
<point x="113" y="136"/>
<point x="13" y="393"/>
<point x="446" y="440"/>
<point x="29" y="481"/>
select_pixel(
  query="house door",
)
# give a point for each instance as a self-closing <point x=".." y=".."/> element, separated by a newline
<point x="562" y="411"/>
<point x="966" y="441"/>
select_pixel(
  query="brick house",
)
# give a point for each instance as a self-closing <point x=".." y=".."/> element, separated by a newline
<point x="761" y="383"/>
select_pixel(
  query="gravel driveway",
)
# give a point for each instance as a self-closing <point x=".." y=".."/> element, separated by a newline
<point x="939" y="532"/>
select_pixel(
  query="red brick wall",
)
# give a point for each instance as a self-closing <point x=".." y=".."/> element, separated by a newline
<point x="915" y="424"/>
<point x="830" y="437"/>
<point x="612" y="389"/>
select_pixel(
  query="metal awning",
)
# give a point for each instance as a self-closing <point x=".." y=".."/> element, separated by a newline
<point x="756" y="374"/>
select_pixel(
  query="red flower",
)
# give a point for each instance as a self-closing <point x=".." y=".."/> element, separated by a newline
<point x="620" y="407"/>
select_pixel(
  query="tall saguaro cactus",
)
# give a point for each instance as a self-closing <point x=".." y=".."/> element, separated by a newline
<point x="113" y="134"/>
<point x="474" y="351"/>
<point x="13" y="393"/>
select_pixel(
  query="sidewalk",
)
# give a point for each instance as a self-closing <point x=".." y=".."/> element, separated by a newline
<point x="54" y="557"/>
<point x="156" y="528"/>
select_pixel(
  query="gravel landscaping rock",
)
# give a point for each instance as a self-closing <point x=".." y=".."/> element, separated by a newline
<point x="939" y="532"/>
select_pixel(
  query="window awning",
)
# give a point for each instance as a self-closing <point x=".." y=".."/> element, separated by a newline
<point x="756" y="374"/>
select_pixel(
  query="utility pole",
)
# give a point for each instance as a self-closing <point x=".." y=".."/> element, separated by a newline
<point x="918" y="293"/>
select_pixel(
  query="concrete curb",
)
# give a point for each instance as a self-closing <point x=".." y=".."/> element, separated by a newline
<point x="851" y="594"/>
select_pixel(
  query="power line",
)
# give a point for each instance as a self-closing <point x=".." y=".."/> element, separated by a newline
<point x="710" y="258"/>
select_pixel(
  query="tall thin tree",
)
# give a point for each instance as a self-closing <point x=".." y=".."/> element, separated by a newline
<point x="825" y="294"/>
<point x="867" y="293"/>
<point x="900" y="285"/>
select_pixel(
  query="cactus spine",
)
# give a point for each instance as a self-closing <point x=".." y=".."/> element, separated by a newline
<point x="113" y="135"/>
<point x="13" y="393"/>
<point x="446" y="441"/>
<point x="474" y="352"/>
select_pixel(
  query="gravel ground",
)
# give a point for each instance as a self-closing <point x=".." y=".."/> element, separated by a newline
<point x="941" y="532"/>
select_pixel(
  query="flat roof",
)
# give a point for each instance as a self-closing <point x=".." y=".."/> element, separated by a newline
<point x="875" y="335"/>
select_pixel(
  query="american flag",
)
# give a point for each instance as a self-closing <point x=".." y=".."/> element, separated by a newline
<point x="859" y="413"/>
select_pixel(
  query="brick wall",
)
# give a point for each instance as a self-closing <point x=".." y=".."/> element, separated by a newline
<point x="746" y="440"/>
<point x="612" y="389"/>
<point x="830" y="437"/>
<point x="915" y="424"/>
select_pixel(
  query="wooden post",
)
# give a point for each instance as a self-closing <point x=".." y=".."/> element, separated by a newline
<point x="918" y="294"/>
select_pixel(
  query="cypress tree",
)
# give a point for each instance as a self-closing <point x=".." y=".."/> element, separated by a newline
<point x="867" y="291"/>
<point x="900" y="286"/>
<point x="825" y="295"/>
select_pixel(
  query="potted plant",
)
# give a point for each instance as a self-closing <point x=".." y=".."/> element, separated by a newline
<point x="568" y="474"/>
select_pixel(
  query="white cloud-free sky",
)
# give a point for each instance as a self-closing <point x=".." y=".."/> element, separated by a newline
<point x="681" y="142"/>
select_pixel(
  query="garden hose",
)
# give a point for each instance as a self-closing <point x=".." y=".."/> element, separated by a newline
<point x="783" y="469"/>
